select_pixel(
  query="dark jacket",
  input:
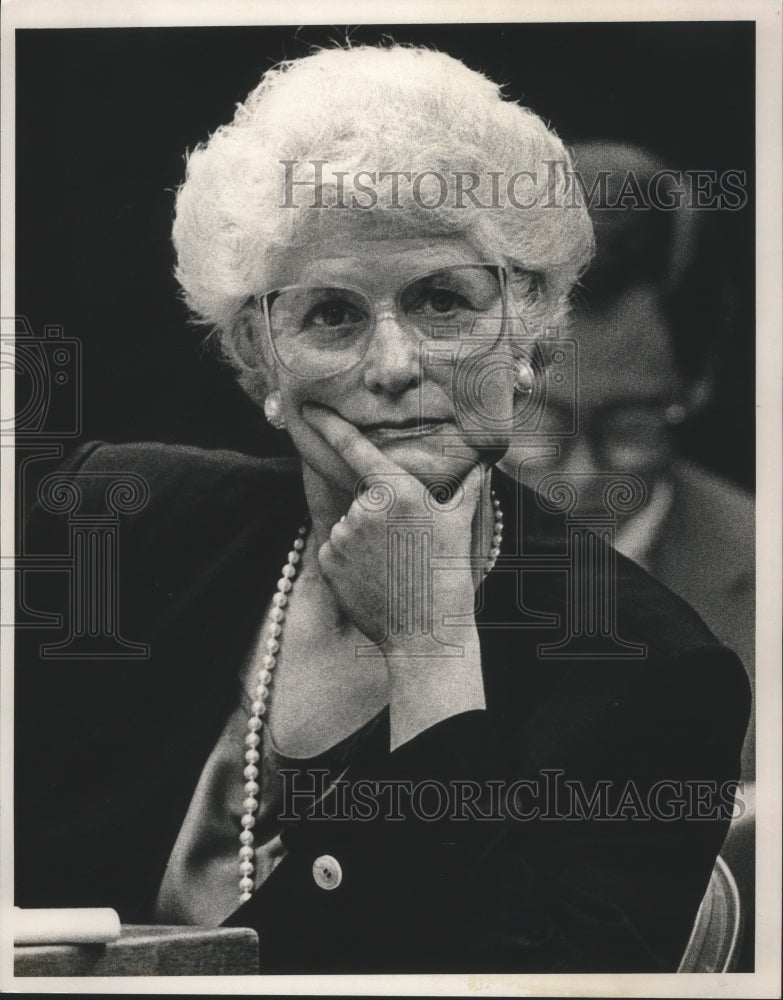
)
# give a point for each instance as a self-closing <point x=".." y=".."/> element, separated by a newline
<point x="705" y="552"/>
<point x="109" y="750"/>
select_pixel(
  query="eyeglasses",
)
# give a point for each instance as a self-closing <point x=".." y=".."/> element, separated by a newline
<point x="623" y="435"/>
<point x="320" y="330"/>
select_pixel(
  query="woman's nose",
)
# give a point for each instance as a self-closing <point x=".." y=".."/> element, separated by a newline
<point x="393" y="362"/>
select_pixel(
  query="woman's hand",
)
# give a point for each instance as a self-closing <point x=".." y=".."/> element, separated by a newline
<point x="378" y="561"/>
<point x="378" y="558"/>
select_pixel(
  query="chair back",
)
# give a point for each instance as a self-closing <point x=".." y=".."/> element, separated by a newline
<point x="715" y="940"/>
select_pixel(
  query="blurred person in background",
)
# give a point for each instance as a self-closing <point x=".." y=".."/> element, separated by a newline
<point x="655" y="313"/>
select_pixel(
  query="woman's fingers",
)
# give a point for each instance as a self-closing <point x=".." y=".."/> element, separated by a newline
<point x="349" y="443"/>
<point x="372" y="466"/>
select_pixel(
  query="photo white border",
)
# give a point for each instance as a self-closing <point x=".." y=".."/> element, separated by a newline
<point x="765" y="982"/>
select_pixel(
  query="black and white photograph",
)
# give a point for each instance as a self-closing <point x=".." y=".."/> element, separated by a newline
<point x="391" y="498"/>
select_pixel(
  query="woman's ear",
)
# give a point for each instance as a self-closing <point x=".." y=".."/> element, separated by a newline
<point x="245" y="341"/>
<point x="245" y="347"/>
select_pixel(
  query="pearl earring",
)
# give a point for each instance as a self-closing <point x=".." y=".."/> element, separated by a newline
<point x="525" y="380"/>
<point x="273" y="410"/>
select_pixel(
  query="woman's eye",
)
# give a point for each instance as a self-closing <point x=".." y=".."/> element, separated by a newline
<point x="435" y="300"/>
<point x="334" y="314"/>
<point x="442" y="301"/>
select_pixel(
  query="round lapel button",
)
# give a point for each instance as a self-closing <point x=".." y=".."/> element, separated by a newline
<point x="327" y="872"/>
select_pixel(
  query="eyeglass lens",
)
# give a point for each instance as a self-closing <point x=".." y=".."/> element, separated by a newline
<point x="318" y="330"/>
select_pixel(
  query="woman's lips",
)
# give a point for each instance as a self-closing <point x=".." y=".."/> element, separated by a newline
<point x="401" y="432"/>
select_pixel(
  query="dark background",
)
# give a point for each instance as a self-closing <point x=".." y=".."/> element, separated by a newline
<point x="104" y="117"/>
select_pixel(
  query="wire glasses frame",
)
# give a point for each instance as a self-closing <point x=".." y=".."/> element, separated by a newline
<point x="322" y="330"/>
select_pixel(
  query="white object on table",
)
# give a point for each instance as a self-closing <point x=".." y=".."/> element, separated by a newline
<point x="68" y="926"/>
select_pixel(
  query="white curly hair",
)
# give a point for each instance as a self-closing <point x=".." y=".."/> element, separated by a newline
<point x="361" y="112"/>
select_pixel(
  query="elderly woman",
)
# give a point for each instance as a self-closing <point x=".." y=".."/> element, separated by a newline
<point x="359" y="729"/>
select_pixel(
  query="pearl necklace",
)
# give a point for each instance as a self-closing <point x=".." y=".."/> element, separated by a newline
<point x="259" y="706"/>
